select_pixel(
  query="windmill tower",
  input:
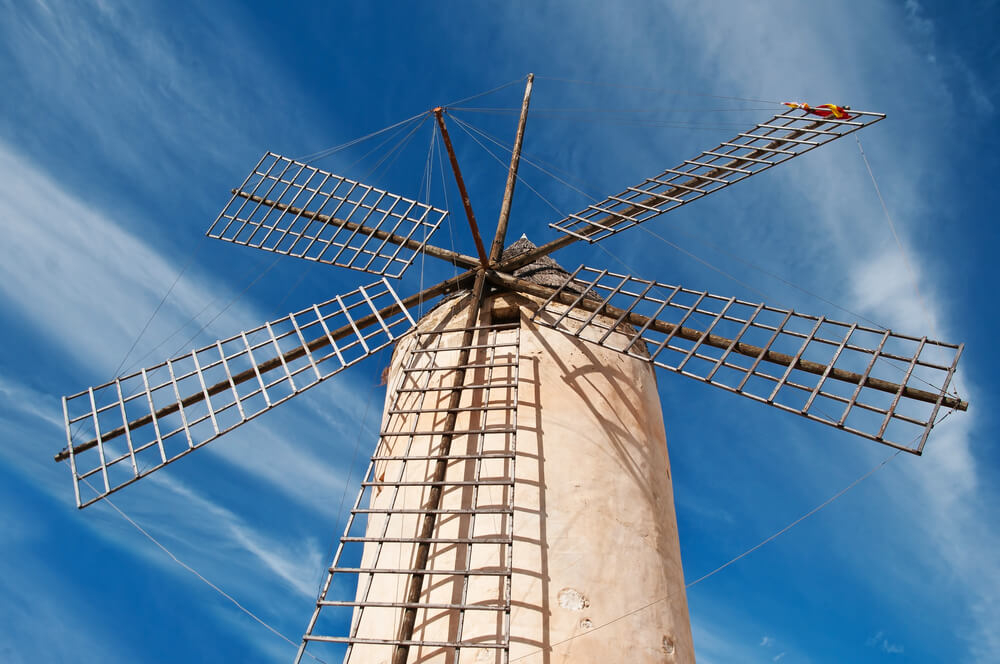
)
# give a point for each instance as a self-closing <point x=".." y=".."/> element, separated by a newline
<point x="519" y="497"/>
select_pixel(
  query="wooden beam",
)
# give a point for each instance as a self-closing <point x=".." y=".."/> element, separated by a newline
<point x="454" y="283"/>
<point x="515" y="159"/>
<point x="483" y="258"/>
<point x="436" y="492"/>
<point x="453" y="257"/>
<point x="723" y="343"/>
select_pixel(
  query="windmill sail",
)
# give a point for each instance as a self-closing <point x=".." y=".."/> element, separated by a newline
<point x="781" y="138"/>
<point x="288" y="207"/>
<point x="125" y="429"/>
<point x="875" y="383"/>
<point x="466" y="602"/>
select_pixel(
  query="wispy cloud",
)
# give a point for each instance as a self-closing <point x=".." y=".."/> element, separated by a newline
<point x="880" y="641"/>
<point x="150" y="94"/>
<point x="167" y="497"/>
<point x="81" y="285"/>
<point x="295" y="564"/>
<point x="717" y="645"/>
<point x="846" y="251"/>
<point x="78" y="276"/>
<point x="216" y="541"/>
<point x="87" y="286"/>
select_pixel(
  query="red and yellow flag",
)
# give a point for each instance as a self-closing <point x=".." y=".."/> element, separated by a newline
<point x="823" y="110"/>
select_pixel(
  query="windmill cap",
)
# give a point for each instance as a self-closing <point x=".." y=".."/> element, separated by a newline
<point x="545" y="271"/>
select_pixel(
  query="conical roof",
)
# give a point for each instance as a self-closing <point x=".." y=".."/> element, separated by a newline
<point x="545" y="271"/>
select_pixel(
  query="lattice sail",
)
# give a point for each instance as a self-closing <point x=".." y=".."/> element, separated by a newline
<point x="123" y="430"/>
<point x="875" y="383"/>
<point x="784" y="136"/>
<point x="288" y="207"/>
<point x="464" y="606"/>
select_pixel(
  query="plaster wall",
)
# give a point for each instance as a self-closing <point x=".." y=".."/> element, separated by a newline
<point x="597" y="569"/>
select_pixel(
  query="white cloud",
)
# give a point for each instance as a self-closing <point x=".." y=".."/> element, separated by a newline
<point x="881" y="287"/>
<point x="295" y="564"/>
<point x="31" y="402"/>
<point x="77" y="275"/>
<point x="81" y="284"/>
<point x="164" y="499"/>
<point x="766" y="641"/>
<point x="717" y="646"/>
<point x="133" y="84"/>
<point x="213" y="539"/>
<point x="880" y="641"/>
<point x="88" y="284"/>
<point x="738" y="44"/>
<point x="844" y="240"/>
<point x="916" y="20"/>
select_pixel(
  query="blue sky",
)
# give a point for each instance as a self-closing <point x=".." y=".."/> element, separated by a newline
<point x="124" y="125"/>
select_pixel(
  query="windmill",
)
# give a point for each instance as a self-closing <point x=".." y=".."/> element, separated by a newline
<point x="520" y="483"/>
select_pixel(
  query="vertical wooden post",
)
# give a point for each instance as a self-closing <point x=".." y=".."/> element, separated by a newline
<point x="433" y="503"/>
<point x="515" y="160"/>
<point x="415" y="587"/>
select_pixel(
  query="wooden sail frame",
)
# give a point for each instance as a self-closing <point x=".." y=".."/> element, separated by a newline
<point x="875" y="383"/>
<point x="289" y="207"/>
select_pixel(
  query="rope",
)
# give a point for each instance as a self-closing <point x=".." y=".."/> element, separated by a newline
<point x="797" y="521"/>
<point x="343" y="146"/>
<point x="649" y="89"/>
<point x="517" y="109"/>
<point x="902" y="251"/>
<point x="229" y="304"/>
<point x="623" y="122"/>
<point x="773" y="275"/>
<point x="444" y="188"/>
<point x="704" y="262"/>
<point x="895" y="235"/>
<point x="322" y="154"/>
<point x="159" y="306"/>
<point x="503" y="165"/>
<point x="525" y="159"/>
<point x="425" y="190"/>
<point x="135" y="342"/>
<point x="193" y="571"/>
<point x="396" y="150"/>
<point x="483" y="94"/>
<point x="195" y="317"/>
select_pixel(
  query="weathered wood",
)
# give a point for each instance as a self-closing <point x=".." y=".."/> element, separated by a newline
<point x="515" y="160"/>
<point x="483" y="258"/>
<point x="416" y="584"/>
<point x="454" y="283"/>
<point x="723" y="343"/>
<point x="453" y="257"/>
